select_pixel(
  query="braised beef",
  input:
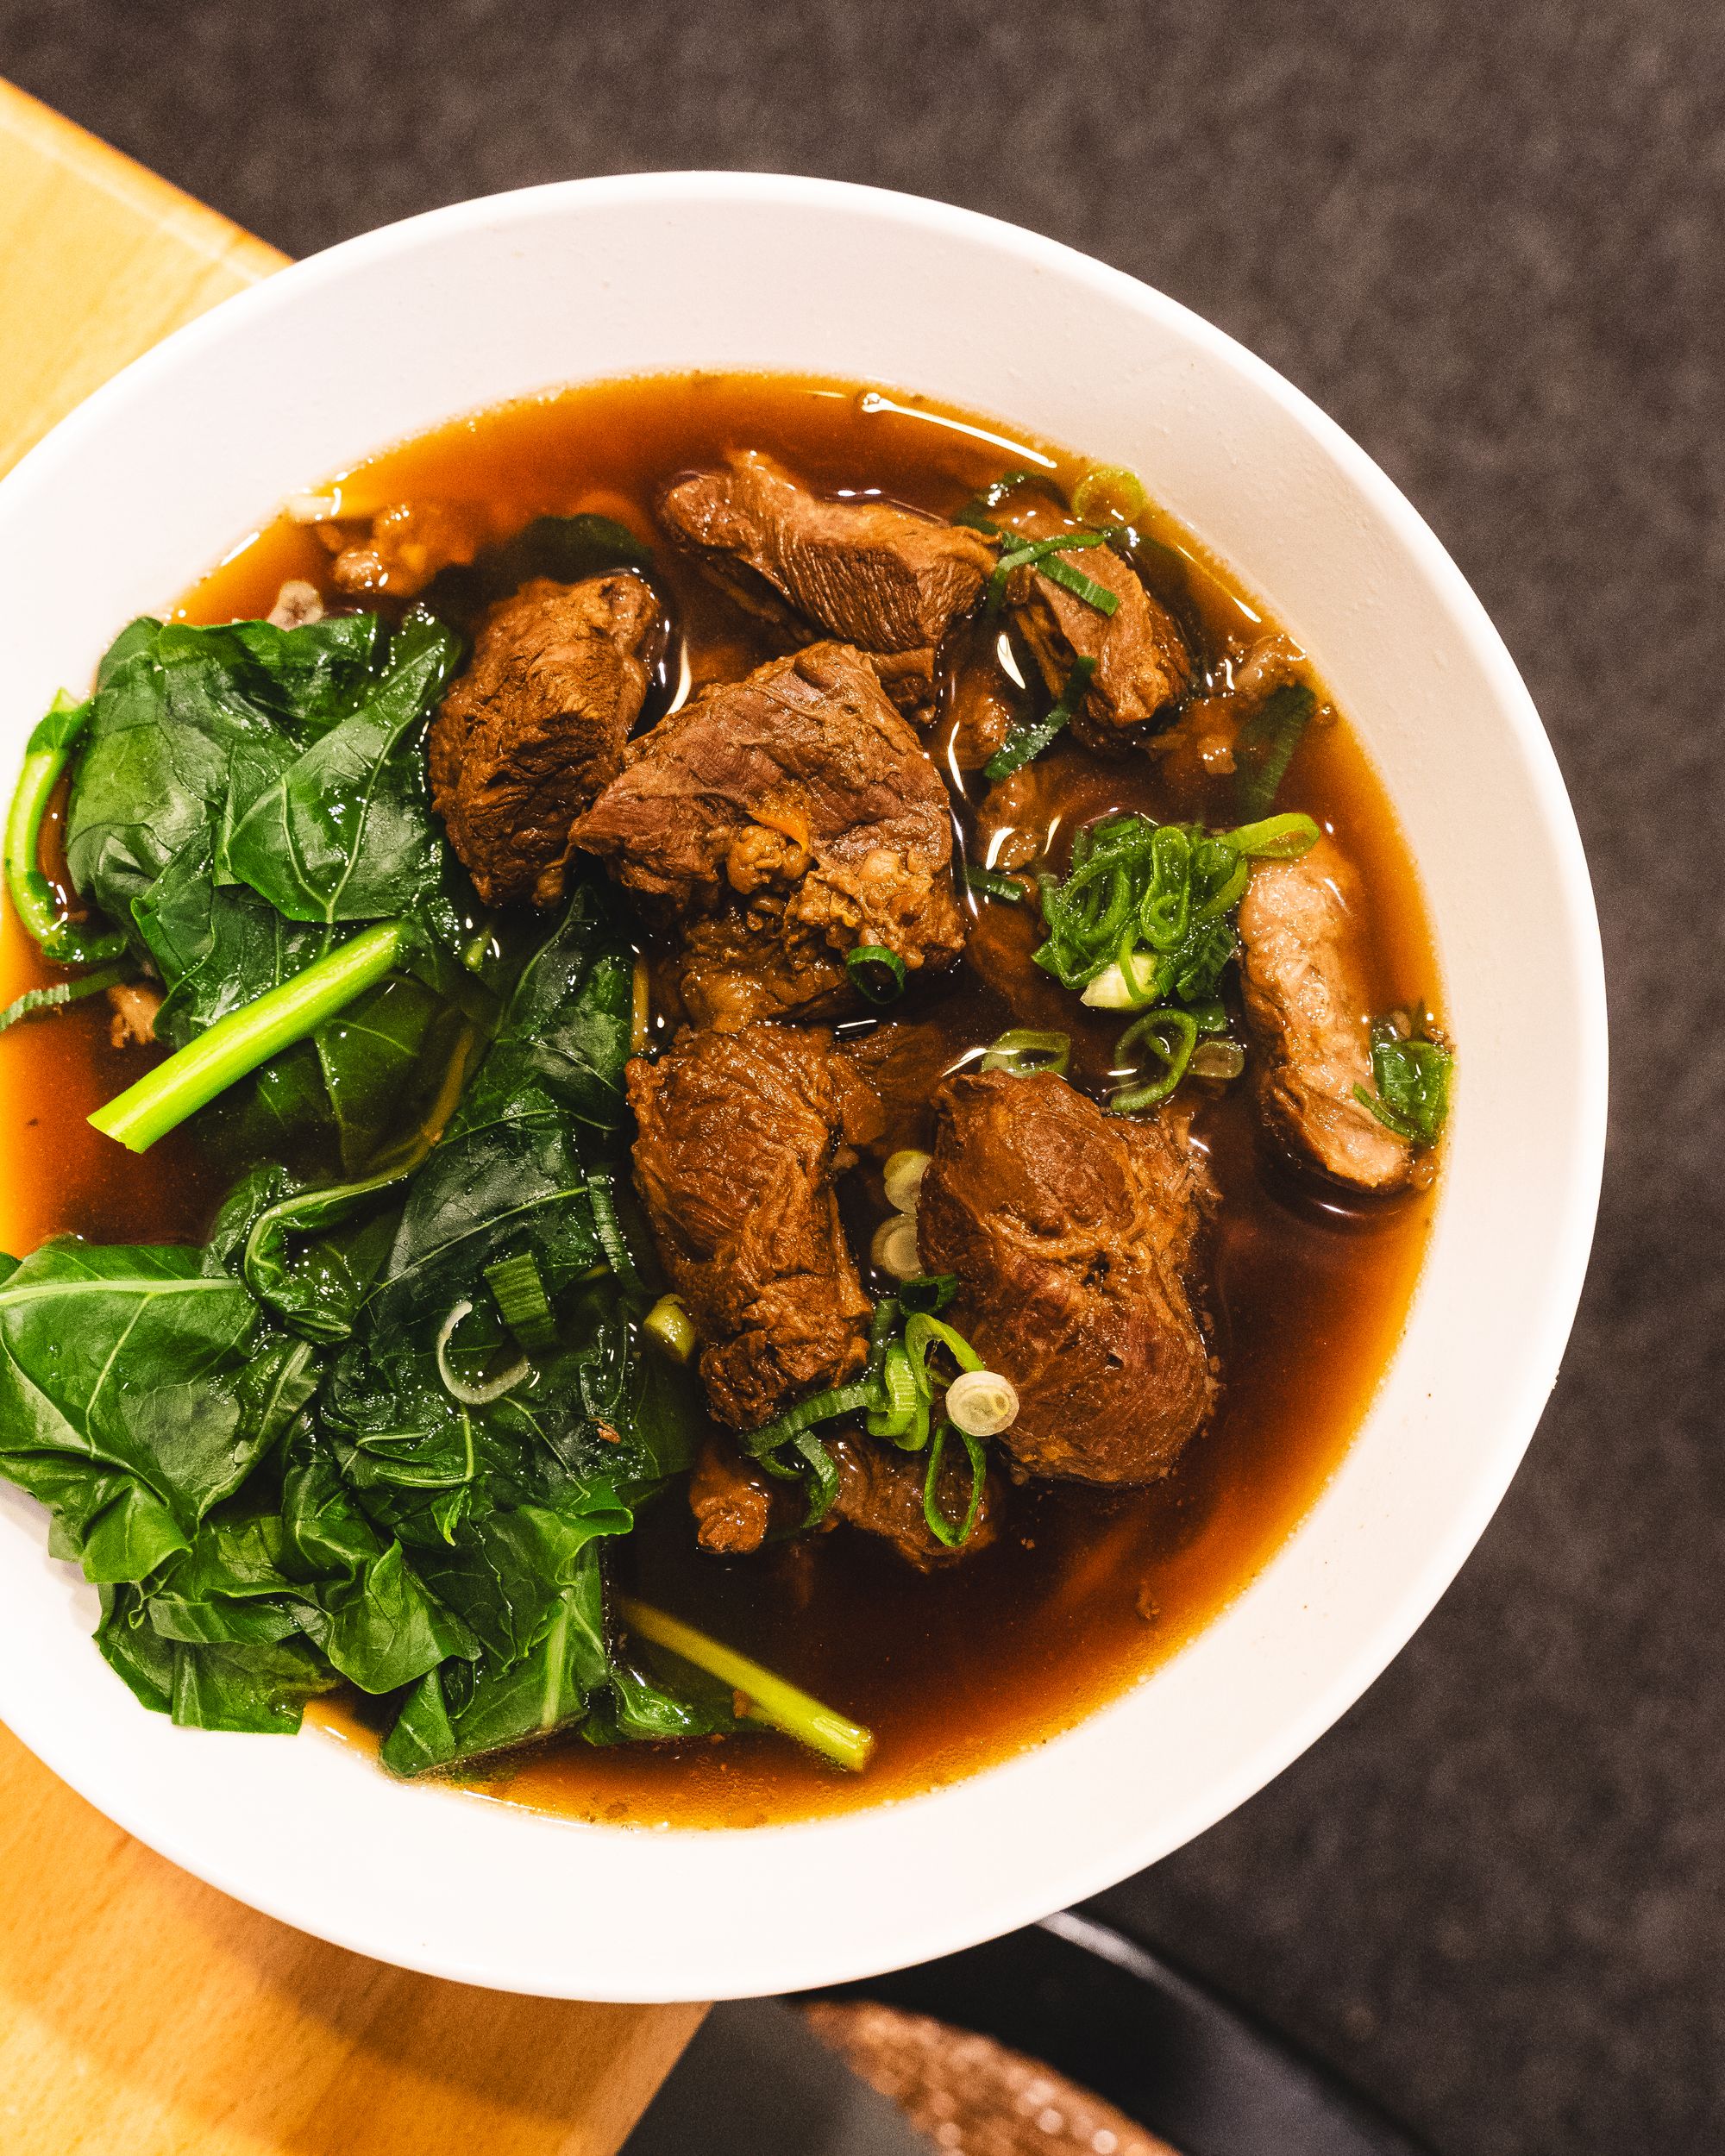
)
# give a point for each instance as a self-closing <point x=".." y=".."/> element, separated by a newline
<point x="1073" y="1234"/>
<point x="731" y="1499"/>
<point x="790" y="817"/>
<point x="1142" y="664"/>
<point x="534" y="729"/>
<point x="741" y="1137"/>
<point x="1307" y="1005"/>
<point x="888" y="580"/>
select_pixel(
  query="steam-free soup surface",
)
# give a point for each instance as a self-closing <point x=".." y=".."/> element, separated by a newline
<point x="1087" y="1591"/>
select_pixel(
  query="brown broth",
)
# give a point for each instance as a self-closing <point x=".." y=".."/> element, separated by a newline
<point x="1086" y="1592"/>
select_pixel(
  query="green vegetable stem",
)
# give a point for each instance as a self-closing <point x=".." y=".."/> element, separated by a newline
<point x="771" y="1699"/>
<point x="240" y="1043"/>
<point x="61" y="940"/>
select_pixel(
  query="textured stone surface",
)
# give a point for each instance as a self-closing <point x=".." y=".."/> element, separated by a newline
<point x="1488" y="240"/>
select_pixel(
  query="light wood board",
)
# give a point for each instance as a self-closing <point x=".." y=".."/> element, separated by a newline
<point x="140" y="2011"/>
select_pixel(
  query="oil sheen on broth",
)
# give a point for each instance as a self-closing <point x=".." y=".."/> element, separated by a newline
<point x="1091" y="1589"/>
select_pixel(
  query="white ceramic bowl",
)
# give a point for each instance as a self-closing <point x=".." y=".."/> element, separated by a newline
<point x="169" y="465"/>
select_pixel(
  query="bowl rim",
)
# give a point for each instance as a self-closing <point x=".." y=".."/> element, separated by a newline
<point x="1075" y="1871"/>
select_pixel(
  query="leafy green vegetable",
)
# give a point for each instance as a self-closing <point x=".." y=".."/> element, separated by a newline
<point x="139" y="1386"/>
<point x="1411" y="1075"/>
<point x="247" y="794"/>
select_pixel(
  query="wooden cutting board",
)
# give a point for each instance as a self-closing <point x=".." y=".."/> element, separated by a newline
<point x="141" y="2012"/>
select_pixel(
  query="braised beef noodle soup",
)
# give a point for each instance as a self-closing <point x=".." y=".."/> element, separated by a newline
<point x="766" y="1093"/>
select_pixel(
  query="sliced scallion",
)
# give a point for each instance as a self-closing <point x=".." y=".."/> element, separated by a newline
<point x="522" y="1302"/>
<point x="669" y="1323"/>
<point x="1108" y="494"/>
<point x="609" y="1229"/>
<point x="1266" y="746"/>
<point x="1027" y="554"/>
<point x="994" y="885"/>
<point x="61" y="992"/>
<point x="1170" y="1035"/>
<point x="63" y="941"/>
<point x="1027" y="742"/>
<point x="949" y="1536"/>
<point x="1021" y="1049"/>
<point x="1082" y="586"/>
<point x="875" y="972"/>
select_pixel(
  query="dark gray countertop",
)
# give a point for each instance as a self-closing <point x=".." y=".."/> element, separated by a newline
<point x="1490" y="239"/>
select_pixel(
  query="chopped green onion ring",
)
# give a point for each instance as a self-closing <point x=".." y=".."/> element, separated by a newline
<point x="60" y="992"/>
<point x="938" y="1526"/>
<point x="522" y="1302"/>
<point x="1284" y="837"/>
<point x="1170" y="1035"/>
<point x="1021" y="1049"/>
<point x="1108" y="494"/>
<point x="865" y="965"/>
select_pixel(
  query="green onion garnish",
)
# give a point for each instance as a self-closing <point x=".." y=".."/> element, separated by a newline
<point x="1027" y="742"/>
<point x="60" y="992"/>
<point x="1109" y="494"/>
<point x="1170" y="1035"/>
<point x="827" y="1406"/>
<point x="877" y="972"/>
<point x="1412" y="1077"/>
<point x="236" y="1045"/>
<point x="522" y="1302"/>
<point x="1284" y="837"/>
<point x="771" y="1699"/>
<point x="1083" y="586"/>
<point x="609" y="1229"/>
<point x="45" y="758"/>
<point x="1266" y="746"/>
<point x="1021" y="1049"/>
<point x="995" y="885"/>
<point x="976" y="511"/>
<point x="928" y="1291"/>
<point x="937" y="1525"/>
<point x="1036" y="553"/>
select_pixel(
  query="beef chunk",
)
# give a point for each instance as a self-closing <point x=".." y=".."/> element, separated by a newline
<point x="731" y="1501"/>
<point x="882" y="578"/>
<point x="534" y="729"/>
<point x="1307" y="1005"/>
<point x="404" y="547"/>
<point x="880" y="1491"/>
<point x="740" y="1135"/>
<point x="1073" y="1233"/>
<point x="1141" y="661"/>
<point x="794" y="815"/>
